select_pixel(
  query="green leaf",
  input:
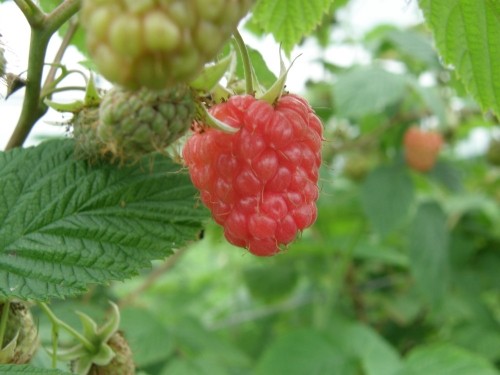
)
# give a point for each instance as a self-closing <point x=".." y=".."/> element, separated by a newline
<point x="445" y="359"/>
<point x="467" y="34"/>
<point x="29" y="370"/>
<point x="428" y="247"/>
<point x="386" y="196"/>
<point x="413" y="44"/>
<point x="368" y="90"/>
<point x="448" y="175"/>
<point x="290" y="20"/>
<point x="147" y="336"/>
<point x="431" y="98"/>
<point x="303" y="352"/>
<point x="377" y="356"/>
<point x="272" y="281"/>
<point x="65" y="224"/>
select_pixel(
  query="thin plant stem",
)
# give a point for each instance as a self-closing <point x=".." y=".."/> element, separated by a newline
<point x="73" y="27"/>
<point x="33" y="107"/>
<point x="58" y="322"/>
<point x="32" y="13"/>
<point x="247" y="65"/>
<point x="3" y="321"/>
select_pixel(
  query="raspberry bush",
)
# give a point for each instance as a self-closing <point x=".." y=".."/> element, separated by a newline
<point x="128" y="234"/>
<point x="260" y="183"/>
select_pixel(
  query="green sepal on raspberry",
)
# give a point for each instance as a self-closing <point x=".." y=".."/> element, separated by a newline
<point x="122" y="363"/>
<point x="261" y="182"/>
<point x="135" y="123"/>
<point x="155" y="43"/>
<point x="20" y="340"/>
<point x="101" y="350"/>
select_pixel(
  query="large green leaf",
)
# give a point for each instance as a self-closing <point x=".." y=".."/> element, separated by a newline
<point x="148" y="338"/>
<point x="365" y="91"/>
<point x="467" y="34"/>
<point x="290" y="20"/>
<point x="301" y="352"/>
<point x="376" y="356"/>
<point x="64" y="224"/>
<point x="386" y="196"/>
<point x="428" y="246"/>
<point x="444" y="359"/>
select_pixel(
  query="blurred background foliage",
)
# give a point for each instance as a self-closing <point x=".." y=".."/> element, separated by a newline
<point x="399" y="275"/>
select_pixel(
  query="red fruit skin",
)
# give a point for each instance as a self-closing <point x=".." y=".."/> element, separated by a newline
<point x="260" y="183"/>
<point x="421" y="148"/>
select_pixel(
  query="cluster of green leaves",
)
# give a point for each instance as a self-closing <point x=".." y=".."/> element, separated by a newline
<point x="397" y="277"/>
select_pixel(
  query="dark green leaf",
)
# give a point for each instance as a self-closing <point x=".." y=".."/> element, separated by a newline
<point x="428" y="246"/>
<point x="65" y="224"/>
<point x="386" y="196"/>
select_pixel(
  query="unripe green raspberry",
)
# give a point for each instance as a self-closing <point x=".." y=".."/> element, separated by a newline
<point x="88" y="146"/>
<point x="22" y="328"/>
<point x="157" y="43"/>
<point x="135" y="123"/>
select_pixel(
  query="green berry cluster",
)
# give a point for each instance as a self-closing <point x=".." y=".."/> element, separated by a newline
<point x="156" y="43"/>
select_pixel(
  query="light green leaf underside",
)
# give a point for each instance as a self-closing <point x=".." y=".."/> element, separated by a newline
<point x="64" y="224"/>
<point x="290" y="20"/>
<point x="467" y="34"/>
<point x="367" y="90"/>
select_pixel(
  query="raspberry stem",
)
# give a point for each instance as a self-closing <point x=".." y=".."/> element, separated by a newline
<point x="58" y="323"/>
<point x="42" y="28"/>
<point x="247" y="65"/>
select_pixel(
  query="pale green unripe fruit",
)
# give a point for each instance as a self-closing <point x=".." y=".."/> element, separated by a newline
<point x="157" y="43"/>
<point x="135" y="123"/>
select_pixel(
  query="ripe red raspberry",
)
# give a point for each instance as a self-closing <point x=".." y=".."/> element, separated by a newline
<point x="260" y="183"/>
<point x="421" y="148"/>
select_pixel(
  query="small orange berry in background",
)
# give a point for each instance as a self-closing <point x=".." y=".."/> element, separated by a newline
<point x="421" y="148"/>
